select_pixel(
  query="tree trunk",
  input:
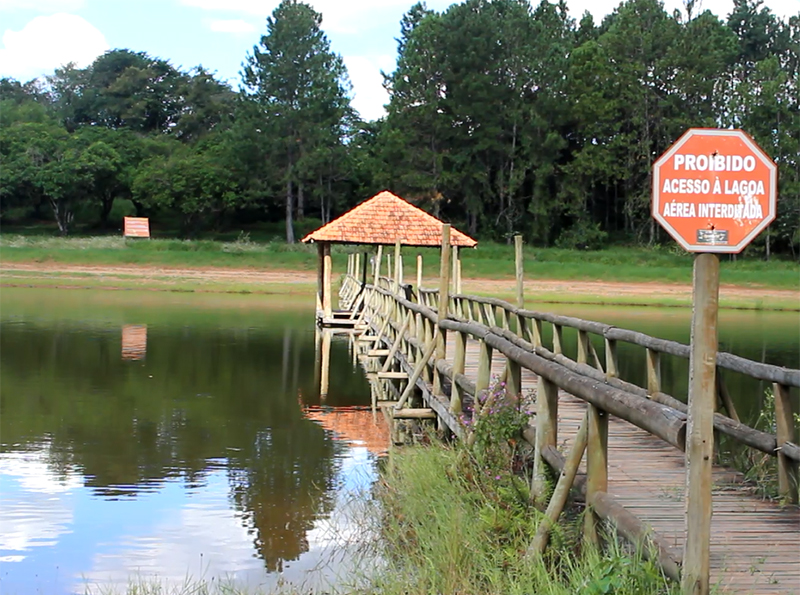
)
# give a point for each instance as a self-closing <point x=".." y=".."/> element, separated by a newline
<point x="62" y="214"/>
<point x="328" y="202"/>
<point x="105" y="211"/>
<point x="140" y="210"/>
<point x="300" y="202"/>
<point x="289" y="222"/>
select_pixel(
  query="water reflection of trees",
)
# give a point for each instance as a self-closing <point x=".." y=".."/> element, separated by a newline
<point x="201" y="397"/>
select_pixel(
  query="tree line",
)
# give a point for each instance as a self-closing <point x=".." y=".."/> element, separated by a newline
<point x="503" y="118"/>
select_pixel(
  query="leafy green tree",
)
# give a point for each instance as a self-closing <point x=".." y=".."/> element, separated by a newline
<point x="413" y="140"/>
<point x="194" y="183"/>
<point x="104" y="170"/>
<point x="208" y="106"/>
<point x="120" y="89"/>
<point x="301" y="88"/>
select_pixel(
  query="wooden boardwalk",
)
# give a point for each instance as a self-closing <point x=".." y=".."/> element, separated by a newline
<point x="638" y="481"/>
<point x="755" y="543"/>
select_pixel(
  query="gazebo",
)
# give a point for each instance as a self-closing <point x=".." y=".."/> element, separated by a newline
<point x="383" y="220"/>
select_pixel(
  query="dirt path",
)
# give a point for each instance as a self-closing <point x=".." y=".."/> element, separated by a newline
<point x="12" y="273"/>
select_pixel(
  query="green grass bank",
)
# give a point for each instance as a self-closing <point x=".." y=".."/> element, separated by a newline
<point x="490" y="261"/>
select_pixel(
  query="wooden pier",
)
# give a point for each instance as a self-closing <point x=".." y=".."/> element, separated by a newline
<point x="615" y="445"/>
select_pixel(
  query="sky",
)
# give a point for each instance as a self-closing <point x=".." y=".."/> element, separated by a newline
<point x="40" y="35"/>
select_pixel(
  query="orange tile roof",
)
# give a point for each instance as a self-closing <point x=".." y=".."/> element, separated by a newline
<point x="383" y="219"/>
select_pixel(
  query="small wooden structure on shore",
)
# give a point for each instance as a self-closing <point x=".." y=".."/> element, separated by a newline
<point x="383" y="220"/>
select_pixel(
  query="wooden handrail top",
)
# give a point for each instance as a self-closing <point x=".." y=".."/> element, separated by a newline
<point x="728" y="361"/>
<point x="659" y="420"/>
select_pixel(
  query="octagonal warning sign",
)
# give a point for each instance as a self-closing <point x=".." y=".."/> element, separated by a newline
<point x="714" y="190"/>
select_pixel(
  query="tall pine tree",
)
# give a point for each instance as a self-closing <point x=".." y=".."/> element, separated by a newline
<point x="301" y="88"/>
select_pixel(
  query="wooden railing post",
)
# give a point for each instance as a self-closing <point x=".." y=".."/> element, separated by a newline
<point x="518" y="271"/>
<point x="725" y="397"/>
<point x="583" y="347"/>
<point x="786" y="432"/>
<point x="444" y="303"/>
<point x="429" y="334"/>
<point x="491" y="315"/>
<point x="522" y="327"/>
<point x="653" y="372"/>
<point x="503" y="318"/>
<point x="536" y="333"/>
<point x="513" y="378"/>
<point x="612" y="364"/>
<point x="558" y="339"/>
<point x="596" y="468"/>
<point x="459" y="361"/>
<point x="480" y="314"/>
<point x="484" y="372"/>
<point x="546" y="435"/>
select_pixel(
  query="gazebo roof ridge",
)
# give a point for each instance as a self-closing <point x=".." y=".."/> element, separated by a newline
<point x="384" y="219"/>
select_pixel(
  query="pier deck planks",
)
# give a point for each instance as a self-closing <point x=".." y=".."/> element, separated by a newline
<point x="755" y="543"/>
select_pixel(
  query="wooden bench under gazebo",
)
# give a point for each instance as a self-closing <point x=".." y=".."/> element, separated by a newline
<point x="383" y="220"/>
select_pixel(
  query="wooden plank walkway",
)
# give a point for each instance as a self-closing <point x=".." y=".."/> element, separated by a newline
<point x="755" y="543"/>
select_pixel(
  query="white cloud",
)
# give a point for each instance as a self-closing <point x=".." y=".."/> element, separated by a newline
<point x="206" y="537"/>
<point x="42" y="5"/>
<point x="353" y="16"/>
<point x="35" y="505"/>
<point x="231" y="26"/>
<point x="365" y="74"/>
<point x="48" y="42"/>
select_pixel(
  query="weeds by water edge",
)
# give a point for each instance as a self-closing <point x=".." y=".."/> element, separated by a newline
<point x="449" y="526"/>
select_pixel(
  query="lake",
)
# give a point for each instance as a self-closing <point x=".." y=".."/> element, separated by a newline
<point x="151" y="434"/>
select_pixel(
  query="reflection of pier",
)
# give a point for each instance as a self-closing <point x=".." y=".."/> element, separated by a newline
<point x="134" y="342"/>
<point x="356" y="425"/>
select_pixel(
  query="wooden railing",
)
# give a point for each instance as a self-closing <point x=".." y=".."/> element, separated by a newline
<point x="409" y="322"/>
<point x="523" y="329"/>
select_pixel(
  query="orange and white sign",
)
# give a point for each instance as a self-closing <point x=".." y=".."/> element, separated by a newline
<point x="714" y="190"/>
<point x="137" y="227"/>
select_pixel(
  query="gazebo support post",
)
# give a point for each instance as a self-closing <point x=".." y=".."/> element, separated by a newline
<point x="364" y="260"/>
<point x="454" y="274"/>
<point x="397" y="265"/>
<point x="377" y="270"/>
<point x="326" y="280"/>
<point x="320" y="274"/>
<point x="419" y="277"/>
